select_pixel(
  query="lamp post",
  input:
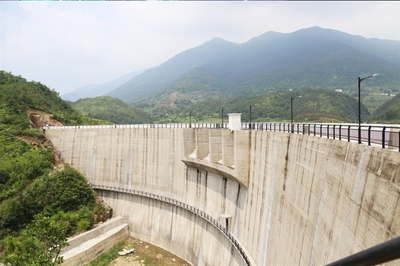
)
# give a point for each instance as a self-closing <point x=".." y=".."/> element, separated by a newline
<point x="190" y="114"/>
<point x="291" y="114"/>
<point x="222" y="118"/>
<point x="291" y="110"/>
<point x="250" y="114"/>
<point x="359" y="104"/>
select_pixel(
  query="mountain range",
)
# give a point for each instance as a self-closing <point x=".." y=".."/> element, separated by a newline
<point x="307" y="58"/>
<point x="94" y="90"/>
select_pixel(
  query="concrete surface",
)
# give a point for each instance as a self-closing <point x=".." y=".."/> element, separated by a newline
<point x="320" y="199"/>
<point x="87" y="246"/>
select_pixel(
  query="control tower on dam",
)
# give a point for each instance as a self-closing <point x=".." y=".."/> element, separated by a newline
<point x="216" y="196"/>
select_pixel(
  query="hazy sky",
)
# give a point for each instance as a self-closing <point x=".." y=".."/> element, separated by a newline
<point x="67" y="45"/>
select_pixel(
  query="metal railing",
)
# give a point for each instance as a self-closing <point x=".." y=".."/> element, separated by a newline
<point x="185" y="206"/>
<point x="384" y="252"/>
<point x="386" y="136"/>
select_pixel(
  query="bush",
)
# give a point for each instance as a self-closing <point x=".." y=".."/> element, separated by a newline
<point x="39" y="244"/>
<point x="83" y="225"/>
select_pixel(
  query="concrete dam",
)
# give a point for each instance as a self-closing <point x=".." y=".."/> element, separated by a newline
<point x="216" y="196"/>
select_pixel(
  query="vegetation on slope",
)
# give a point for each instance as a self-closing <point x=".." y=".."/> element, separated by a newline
<point x="111" y="109"/>
<point x="37" y="192"/>
<point x="388" y="112"/>
<point x="314" y="105"/>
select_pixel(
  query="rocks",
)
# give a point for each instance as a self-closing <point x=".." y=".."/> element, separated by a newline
<point x="146" y="254"/>
<point x="125" y="251"/>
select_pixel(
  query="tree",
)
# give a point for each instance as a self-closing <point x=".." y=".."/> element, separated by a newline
<point x="41" y="243"/>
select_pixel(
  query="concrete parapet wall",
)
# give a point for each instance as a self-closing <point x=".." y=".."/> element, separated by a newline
<point x="320" y="199"/>
<point x="95" y="232"/>
<point x="87" y="251"/>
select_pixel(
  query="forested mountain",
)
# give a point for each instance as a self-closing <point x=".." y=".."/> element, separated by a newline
<point x="157" y="79"/>
<point x="111" y="109"/>
<point x="309" y="105"/>
<point x="389" y="112"/>
<point x="18" y="96"/>
<point x="90" y="91"/>
<point x="37" y="213"/>
<point x="308" y="58"/>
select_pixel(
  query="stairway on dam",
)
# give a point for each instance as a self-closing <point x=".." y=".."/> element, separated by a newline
<point x="87" y="246"/>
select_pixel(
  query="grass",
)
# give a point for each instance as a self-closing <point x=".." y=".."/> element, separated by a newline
<point x="107" y="257"/>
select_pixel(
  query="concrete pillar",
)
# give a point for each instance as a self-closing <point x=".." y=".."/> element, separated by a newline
<point x="235" y="121"/>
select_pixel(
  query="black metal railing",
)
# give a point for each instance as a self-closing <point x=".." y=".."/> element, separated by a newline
<point x="386" y="136"/>
<point x="384" y="252"/>
<point x="185" y="206"/>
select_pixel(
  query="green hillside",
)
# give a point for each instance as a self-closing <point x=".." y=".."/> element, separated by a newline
<point x="389" y="112"/>
<point x="314" y="105"/>
<point x="37" y="212"/>
<point x="111" y="109"/>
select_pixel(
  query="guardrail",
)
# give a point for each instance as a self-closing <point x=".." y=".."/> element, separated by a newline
<point x="387" y="136"/>
<point x="384" y="252"/>
<point x="185" y="206"/>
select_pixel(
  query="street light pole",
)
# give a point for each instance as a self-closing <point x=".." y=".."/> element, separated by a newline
<point x="222" y="118"/>
<point x="291" y="114"/>
<point x="291" y="110"/>
<point x="250" y="114"/>
<point x="190" y="125"/>
<point x="359" y="104"/>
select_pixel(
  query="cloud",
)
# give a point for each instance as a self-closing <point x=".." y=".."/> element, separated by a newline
<point x="71" y="44"/>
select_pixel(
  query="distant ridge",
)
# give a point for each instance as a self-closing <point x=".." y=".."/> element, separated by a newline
<point x="157" y="79"/>
<point x="307" y="58"/>
<point x="94" y="90"/>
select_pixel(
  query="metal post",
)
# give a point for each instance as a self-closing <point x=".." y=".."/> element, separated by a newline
<point x="359" y="104"/>
<point x="359" y="110"/>
<point x="250" y="116"/>
<point x="369" y="136"/>
<point x="291" y="113"/>
<point x="327" y="132"/>
<point x="222" y="118"/>
<point x="383" y="137"/>
<point x="348" y="134"/>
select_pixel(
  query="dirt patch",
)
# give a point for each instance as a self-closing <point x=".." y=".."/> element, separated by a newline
<point x="147" y="254"/>
<point x="41" y="119"/>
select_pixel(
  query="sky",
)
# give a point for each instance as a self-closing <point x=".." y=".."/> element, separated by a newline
<point x="68" y="45"/>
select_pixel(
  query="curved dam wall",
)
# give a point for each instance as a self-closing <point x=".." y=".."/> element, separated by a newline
<point x="287" y="199"/>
